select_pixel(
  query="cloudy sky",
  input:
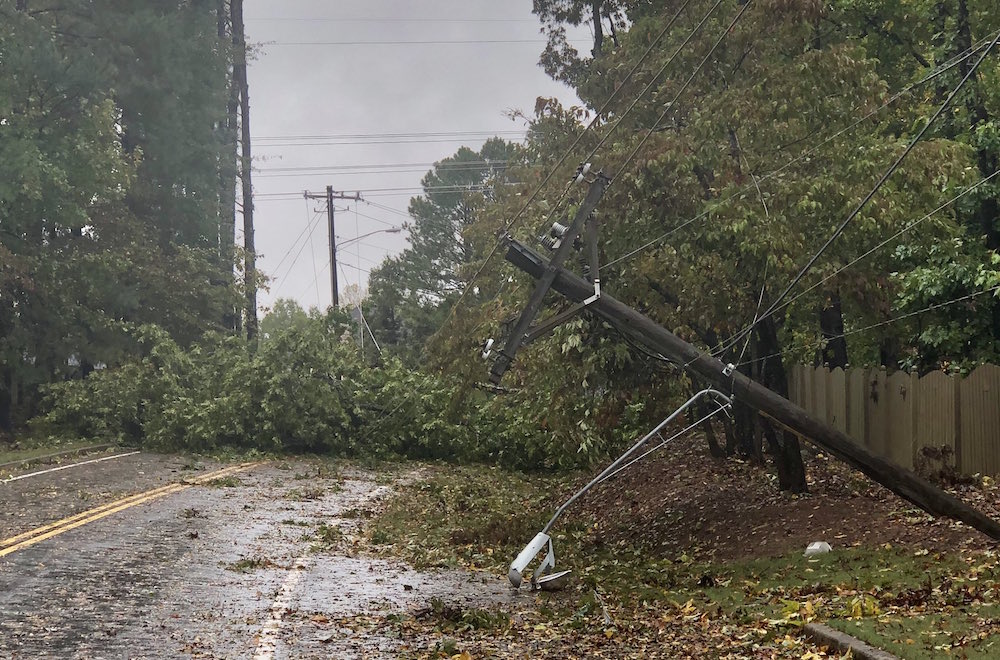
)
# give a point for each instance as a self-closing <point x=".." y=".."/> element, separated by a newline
<point x="329" y="107"/>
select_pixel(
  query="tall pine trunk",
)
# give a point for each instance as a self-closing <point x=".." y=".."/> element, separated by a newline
<point x="246" y="163"/>
<point x="228" y="168"/>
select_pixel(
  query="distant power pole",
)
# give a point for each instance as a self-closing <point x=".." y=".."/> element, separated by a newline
<point x="329" y="196"/>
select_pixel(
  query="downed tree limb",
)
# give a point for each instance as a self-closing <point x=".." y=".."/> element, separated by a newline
<point x="641" y="328"/>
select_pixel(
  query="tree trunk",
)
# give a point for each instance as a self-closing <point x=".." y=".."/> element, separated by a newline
<point x="611" y="26"/>
<point x="6" y="401"/>
<point x="595" y="7"/>
<point x="831" y="325"/>
<point x="246" y="162"/>
<point x="228" y="169"/>
<point x="784" y="447"/>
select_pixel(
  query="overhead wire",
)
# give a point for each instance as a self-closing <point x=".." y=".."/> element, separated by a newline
<point x="326" y="172"/>
<point x="867" y="198"/>
<point x="670" y="105"/>
<point x="344" y="143"/>
<point x="416" y="42"/>
<point x="607" y="135"/>
<point x="559" y="163"/>
<point x="389" y="209"/>
<point x="303" y="19"/>
<point x="944" y="68"/>
<point x="881" y="324"/>
<point x="307" y="228"/>
<point x="380" y="166"/>
<point x="384" y="136"/>
<point x="966" y="191"/>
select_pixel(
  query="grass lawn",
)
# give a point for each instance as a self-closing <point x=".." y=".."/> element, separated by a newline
<point x="628" y="598"/>
<point x="36" y="451"/>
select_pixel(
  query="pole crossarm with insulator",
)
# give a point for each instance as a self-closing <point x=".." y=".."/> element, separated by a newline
<point x="329" y="196"/>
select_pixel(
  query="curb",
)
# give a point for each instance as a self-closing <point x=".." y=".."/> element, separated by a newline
<point x="842" y="642"/>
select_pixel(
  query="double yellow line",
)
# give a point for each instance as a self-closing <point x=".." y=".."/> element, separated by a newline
<point x="39" y="534"/>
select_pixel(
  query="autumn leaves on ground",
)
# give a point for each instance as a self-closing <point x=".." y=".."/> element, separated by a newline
<point x="685" y="556"/>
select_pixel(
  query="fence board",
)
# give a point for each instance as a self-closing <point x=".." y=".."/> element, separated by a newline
<point x="795" y="384"/>
<point x="896" y="416"/>
<point x="979" y="406"/>
<point x="856" y="405"/>
<point x="836" y="400"/>
<point x="899" y="423"/>
<point x="937" y="413"/>
<point x="876" y="408"/>
<point x="821" y="381"/>
<point x="807" y="390"/>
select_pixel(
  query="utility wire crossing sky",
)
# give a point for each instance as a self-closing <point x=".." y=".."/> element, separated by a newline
<point x="365" y="95"/>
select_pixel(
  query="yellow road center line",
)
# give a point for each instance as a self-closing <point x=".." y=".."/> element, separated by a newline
<point x="103" y="514"/>
<point x="45" y="532"/>
<point x="39" y="530"/>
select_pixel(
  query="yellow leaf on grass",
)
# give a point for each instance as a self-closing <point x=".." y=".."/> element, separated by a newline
<point x="464" y="655"/>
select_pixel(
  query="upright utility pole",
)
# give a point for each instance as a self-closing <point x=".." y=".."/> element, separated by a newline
<point x="246" y="163"/>
<point x="329" y="196"/>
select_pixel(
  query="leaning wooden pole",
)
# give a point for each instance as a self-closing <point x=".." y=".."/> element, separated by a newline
<point x="643" y="329"/>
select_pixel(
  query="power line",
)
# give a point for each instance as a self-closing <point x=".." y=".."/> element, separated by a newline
<point x="579" y="138"/>
<point x="804" y="155"/>
<point x="371" y="246"/>
<point x="361" y="143"/>
<point x="311" y="230"/>
<point x="670" y="106"/>
<point x="864" y="202"/>
<point x="419" y="42"/>
<point x="304" y="19"/>
<point x="889" y="240"/>
<point x="363" y="270"/>
<point x="880" y="324"/>
<point x="471" y="164"/>
<point x="309" y="227"/>
<point x="389" y="209"/>
<point x="293" y="172"/>
<point x="409" y="189"/>
<point x="384" y="136"/>
<point x="374" y="219"/>
<point x="647" y="88"/>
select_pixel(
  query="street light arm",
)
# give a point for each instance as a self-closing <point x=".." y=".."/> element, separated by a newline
<point x="391" y="230"/>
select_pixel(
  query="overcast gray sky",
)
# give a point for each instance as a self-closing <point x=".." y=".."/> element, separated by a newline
<point x="328" y="110"/>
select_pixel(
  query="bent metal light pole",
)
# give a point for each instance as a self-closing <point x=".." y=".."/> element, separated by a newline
<point x="541" y="578"/>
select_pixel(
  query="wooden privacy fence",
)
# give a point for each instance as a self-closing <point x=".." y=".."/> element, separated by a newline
<point x="898" y="415"/>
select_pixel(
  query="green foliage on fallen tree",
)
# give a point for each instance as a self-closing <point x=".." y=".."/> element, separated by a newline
<point x="306" y="389"/>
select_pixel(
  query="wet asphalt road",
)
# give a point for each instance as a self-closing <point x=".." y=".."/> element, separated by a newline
<point x="223" y="571"/>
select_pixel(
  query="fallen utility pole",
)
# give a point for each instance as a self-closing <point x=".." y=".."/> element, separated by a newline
<point x="727" y="379"/>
